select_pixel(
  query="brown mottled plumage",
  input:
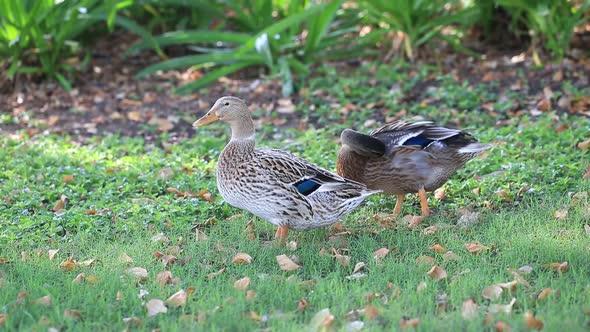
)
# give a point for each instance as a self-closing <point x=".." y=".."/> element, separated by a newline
<point x="403" y="157"/>
<point x="275" y="185"/>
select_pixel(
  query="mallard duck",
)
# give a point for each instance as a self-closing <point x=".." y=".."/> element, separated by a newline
<point x="275" y="185"/>
<point x="402" y="157"/>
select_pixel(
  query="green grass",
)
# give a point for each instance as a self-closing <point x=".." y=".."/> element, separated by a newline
<point x="111" y="173"/>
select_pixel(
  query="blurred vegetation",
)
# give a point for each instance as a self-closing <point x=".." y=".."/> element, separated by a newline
<point x="276" y="37"/>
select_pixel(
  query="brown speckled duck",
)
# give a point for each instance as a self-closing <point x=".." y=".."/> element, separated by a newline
<point x="275" y="185"/>
<point x="402" y="157"/>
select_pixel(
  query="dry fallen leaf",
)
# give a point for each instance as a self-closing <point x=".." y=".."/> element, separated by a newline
<point x="79" y="278"/>
<point x="3" y="319"/>
<point x="45" y="300"/>
<point x="164" y="277"/>
<point x="60" y="204"/>
<point x="585" y="145"/>
<point x="438" y="248"/>
<point x="250" y="294"/>
<point x="380" y="253"/>
<point x="215" y="274"/>
<point x="505" y="308"/>
<point x="132" y="321"/>
<point x="437" y="273"/>
<point x="406" y="322"/>
<point x="52" y="253"/>
<point x="168" y="260"/>
<point x="430" y="230"/>
<point x="426" y="260"/>
<point x="586" y="173"/>
<point x="155" y="306"/>
<point x="440" y="193"/>
<point x="87" y="262"/>
<point x="371" y="312"/>
<point x="125" y="259"/>
<point x="321" y="321"/>
<point x="544" y="293"/>
<point x="492" y="292"/>
<point x="67" y="178"/>
<point x="500" y="326"/>
<point x="286" y="264"/>
<point x="469" y="309"/>
<point x="560" y="214"/>
<point x="476" y="247"/>
<point x="68" y="265"/>
<point x="242" y="284"/>
<point x="358" y="266"/>
<point x="200" y="236"/>
<point x="532" y="322"/>
<point x="559" y="267"/>
<point x="242" y="258"/>
<point x="72" y="314"/>
<point x="301" y="305"/>
<point x="137" y="272"/>
<point x="177" y="299"/>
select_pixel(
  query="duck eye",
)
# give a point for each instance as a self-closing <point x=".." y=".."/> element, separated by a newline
<point x="226" y="103"/>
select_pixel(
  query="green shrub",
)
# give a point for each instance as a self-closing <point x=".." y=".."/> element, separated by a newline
<point x="38" y="36"/>
<point x="285" y="37"/>
<point x="549" y="23"/>
<point x="420" y="20"/>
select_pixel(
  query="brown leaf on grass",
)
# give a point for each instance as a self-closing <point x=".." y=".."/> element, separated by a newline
<point x="200" y="236"/>
<point x="476" y="247"/>
<point x="379" y="254"/>
<point x="586" y="173"/>
<point x="532" y="322"/>
<point x="558" y="267"/>
<point x="437" y="273"/>
<point x="426" y="260"/>
<point x="250" y="230"/>
<point x="165" y="173"/>
<point x="79" y="278"/>
<point x="414" y="221"/>
<point x="250" y="294"/>
<point x="164" y="278"/>
<point x="177" y="299"/>
<point x="72" y="314"/>
<point x="138" y="273"/>
<point x="168" y="260"/>
<point x="67" y="178"/>
<point x="469" y="309"/>
<point x="158" y="254"/>
<point x="45" y="300"/>
<point x="285" y="263"/>
<point x="87" y="262"/>
<point x="3" y="319"/>
<point x="440" y="193"/>
<point x="215" y="274"/>
<point x="291" y="245"/>
<point x="492" y="292"/>
<point x="518" y="277"/>
<point x="511" y="285"/>
<point x="4" y="260"/>
<point x="500" y="326"/>
<point x="21" y="296"/>
<point x="321" y="321"/>
<point x="560" y="214"/>
<point x="505" y="308"/>
<point x="51" y="253"/>
<point x="242" y="284"/>
<point x="342" y="259"/>
<point x="585" y="145"/>
<point x="125" y="259"/>
<point x="371" y="312"/>
<point x="242" y="258"/>
<point x="69" y="264"/>
<point x="301" y="305"/>
<point x="438" y="248"/>
<point x="132" y="321"/>
<point x="544" y="293"/>
<point x="358" y="266"/>
<point x="60" y="204"/>
<point x="430" y="230"/>
<point x="155" y="306"/>
<point x="406" y="322"/>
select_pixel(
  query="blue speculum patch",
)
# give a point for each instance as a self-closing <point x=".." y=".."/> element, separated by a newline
<point x="306" y="187"/>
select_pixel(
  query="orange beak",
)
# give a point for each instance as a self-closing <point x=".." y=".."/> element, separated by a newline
<point x="206" y="119"/>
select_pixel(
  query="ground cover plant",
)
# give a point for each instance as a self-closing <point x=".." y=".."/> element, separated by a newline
<point x="507" y="244"/>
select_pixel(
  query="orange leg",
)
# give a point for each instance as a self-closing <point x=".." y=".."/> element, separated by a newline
<point x="281" y="234"/>
<point x="398" y="204"/>
<point x="423" y="202"/>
